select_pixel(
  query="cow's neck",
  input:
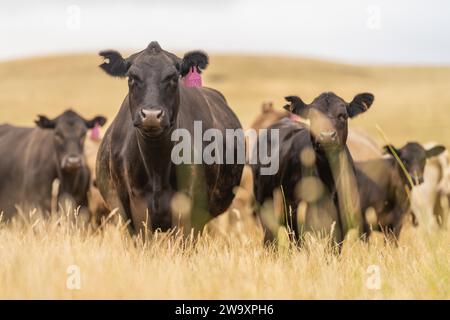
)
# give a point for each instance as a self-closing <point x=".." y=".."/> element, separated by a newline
<point x="345" y="187"/>
<point x="399" y="186"/>
<point x="71" y="182"/>
<point x="155" y="154"/>
<point x="328" y="162"/>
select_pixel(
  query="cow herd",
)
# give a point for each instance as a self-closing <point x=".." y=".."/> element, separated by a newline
<point x="329" y="180"/>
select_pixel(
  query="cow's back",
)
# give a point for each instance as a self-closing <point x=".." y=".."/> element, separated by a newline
<point x="207" y="105"/>
<point x="362" y="147"/>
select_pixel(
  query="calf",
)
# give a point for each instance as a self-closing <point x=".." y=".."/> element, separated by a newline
<point x="32" y="158"/>
<point x="432" y="198"/>
<point x="384" y="184"/>
<point x="315" y="166"/>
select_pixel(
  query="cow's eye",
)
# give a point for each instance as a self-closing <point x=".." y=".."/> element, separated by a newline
<point x="171" y="78"/>
<point x="133" y="80"/>
<point x="343" y="116"/>
<point x="59" y="137"/>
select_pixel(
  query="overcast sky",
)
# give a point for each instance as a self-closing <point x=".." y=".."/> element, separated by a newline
<point x="357" y="31"/>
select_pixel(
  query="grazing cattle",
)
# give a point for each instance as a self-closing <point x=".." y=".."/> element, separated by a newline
<point x="316" y="167"/>
<point x="135" y="172"/>
<point x="432" y="197"/>
<point x="384" y="185"/>
<point x="34" y="157"/>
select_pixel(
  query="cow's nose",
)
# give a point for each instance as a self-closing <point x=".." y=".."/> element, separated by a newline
<point x="328" y="136"/>
<point x="73" y="162"/>
<point x="152" y="117"/>
<point x="417" y="179"/>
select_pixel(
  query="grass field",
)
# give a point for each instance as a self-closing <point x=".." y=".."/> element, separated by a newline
<point x="411" y="103"/>
<point x="36" y="260"/>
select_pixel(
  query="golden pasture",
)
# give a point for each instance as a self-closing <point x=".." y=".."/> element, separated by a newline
<point x="411" y="103"/>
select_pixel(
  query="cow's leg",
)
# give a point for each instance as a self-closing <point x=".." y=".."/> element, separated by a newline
<point x="269" y="237"/>
<point x="118" y="199"/>
<point x="322" y="218"/>
<point x="440" y="211"/>
<point x="190" y="180"/>
<point x="392" y="230"/>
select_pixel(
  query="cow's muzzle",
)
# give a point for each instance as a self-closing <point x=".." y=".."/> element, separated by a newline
<point x="150" y="119"/>
<point x="328" y="137"/>
<point x="72" y="163"/>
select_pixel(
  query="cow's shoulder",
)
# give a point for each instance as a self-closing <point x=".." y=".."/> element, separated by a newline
<point x="213" y="93"/>
<point x="207" y="105"/>
<point x="291" y="132"/>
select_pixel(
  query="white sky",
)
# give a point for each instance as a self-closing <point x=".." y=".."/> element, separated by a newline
<point x="358" y="31"/>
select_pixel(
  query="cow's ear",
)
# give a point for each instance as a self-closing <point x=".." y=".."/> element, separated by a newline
<point x="114" y="64"/>
<point x="45" y="123"/>
<point x="435" y="151"/>
<point x="390" y="149"/>
<point x="360" y="103"/>
<point x="296" y="106"/>
<point x="198" y="59"/>
<point x="98" y="119"/>
<point x="267" y="107"/>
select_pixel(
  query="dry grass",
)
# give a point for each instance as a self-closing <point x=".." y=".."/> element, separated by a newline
<point x="35" y="258"/>
<point x="411" y="104"/>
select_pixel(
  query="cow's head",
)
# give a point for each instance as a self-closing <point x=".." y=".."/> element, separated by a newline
<point x="328" y="115"/>
<point x="69" y="130"/>
<point x="153" y="84"/>
<point x="414" y="156"/>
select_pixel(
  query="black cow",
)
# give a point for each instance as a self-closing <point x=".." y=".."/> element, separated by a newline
<point x="385" y="184"/>
<point x="315" y="167"/>
<point x="32" y="158"/>
<point x="135" y="171"/>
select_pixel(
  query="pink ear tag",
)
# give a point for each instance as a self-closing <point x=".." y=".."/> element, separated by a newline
<point x="295" y="117"/>
<point x="193" y="78"/>
<point x="95" y="132"/>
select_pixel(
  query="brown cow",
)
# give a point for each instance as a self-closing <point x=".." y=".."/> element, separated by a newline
<point x="384" y="184"/>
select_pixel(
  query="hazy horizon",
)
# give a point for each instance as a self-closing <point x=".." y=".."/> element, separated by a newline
<point x="350" y="31"/>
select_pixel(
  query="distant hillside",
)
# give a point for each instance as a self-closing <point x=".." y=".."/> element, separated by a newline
<point x="411" y="103"/>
